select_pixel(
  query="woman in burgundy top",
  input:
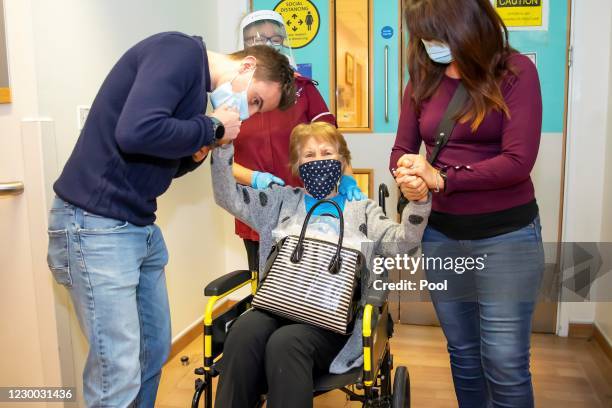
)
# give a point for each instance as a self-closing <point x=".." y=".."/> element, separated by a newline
<point x="484" y="206"/>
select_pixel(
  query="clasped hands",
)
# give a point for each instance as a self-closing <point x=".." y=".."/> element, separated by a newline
<point x="415" y="177"/>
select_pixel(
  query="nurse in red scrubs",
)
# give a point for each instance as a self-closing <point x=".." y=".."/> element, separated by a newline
<point x="262" y="147"/>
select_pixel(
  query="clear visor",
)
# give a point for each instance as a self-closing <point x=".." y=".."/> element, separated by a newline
<point x="270" y="33"/>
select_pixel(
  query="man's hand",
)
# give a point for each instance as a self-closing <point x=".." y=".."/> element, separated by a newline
<point x="230" y="118"/>
<point x="200" y="154"/>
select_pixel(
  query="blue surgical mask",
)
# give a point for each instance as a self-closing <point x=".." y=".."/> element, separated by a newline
<point x="321" y="177"/>
<point x="438" y="51"/>
<point x="225" y="95"/>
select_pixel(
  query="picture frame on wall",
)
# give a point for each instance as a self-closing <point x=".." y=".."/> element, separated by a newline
<point x="5" y="90"/>
<point x="365" y="181"/>
<point x="349" y="62"/>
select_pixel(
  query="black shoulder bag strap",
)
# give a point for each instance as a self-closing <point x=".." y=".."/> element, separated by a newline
<point x="443" y="133"/>
<point x="446" y="126"/>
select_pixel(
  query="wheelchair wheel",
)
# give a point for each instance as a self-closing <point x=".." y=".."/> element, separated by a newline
<point x="401" y="388"/>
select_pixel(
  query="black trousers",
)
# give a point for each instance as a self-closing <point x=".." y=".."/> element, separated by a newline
<point x="267" y="354"/>
<point x="252" y="249"/>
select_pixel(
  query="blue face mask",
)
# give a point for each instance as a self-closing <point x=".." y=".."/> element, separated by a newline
<point x="225" y="95"/>
<point x="438" y="51"/>
<point x="321" y="177"/>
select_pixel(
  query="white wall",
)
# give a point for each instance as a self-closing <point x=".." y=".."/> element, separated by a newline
<point x="588" y="126"/>
<point x="28" y="337"/>
<point x="231" y="13"/>
<point x="603" y="311"/>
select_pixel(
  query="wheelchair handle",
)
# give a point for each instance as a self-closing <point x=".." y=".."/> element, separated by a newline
<point x="383" y="193"/>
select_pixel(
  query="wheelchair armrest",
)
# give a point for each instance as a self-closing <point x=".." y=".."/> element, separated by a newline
<point x="227" y="283"/>
<point x="375" y="340"/>
<point x="370" y="319"/>
<point x="376" y="298"/>
<point x="373" y="315"/>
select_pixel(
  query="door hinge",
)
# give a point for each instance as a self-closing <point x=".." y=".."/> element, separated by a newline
<point x="570" y="56"/>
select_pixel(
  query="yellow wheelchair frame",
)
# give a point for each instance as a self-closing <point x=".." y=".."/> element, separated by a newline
<point x="369" y="384"/>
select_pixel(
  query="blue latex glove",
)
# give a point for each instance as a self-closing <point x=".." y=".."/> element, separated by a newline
<point x="262" y="180"/>
<point x="348" y="187"/>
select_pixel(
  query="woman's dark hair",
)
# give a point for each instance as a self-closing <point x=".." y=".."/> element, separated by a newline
<point x="478" y="39"/>
<point x="273" y="66"/>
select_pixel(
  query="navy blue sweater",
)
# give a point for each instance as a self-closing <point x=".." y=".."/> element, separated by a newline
<point x="144" y="125"/>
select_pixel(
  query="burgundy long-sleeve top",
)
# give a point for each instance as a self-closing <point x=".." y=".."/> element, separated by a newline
<point x="487" y="170"/>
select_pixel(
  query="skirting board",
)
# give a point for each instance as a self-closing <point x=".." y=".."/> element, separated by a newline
<point x="184" y="339"/>
<point x="603" y="342"/>
<point x="581" y="330"/>
<point x="193" y="332"/>
<point x="576" y="330"/>
<point x="590" y="330"/>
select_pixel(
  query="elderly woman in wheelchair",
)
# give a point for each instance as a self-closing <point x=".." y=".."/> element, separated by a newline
<point x="289" y="362"/>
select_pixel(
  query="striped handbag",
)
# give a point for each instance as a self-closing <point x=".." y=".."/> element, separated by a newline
<point x="312" y="281"/>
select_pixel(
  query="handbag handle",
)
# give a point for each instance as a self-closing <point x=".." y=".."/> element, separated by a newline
<point x="334" y="264"/>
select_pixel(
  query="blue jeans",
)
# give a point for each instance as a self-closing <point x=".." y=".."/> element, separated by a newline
<point x="114" y="272"/>
<point x="486" y="314"/>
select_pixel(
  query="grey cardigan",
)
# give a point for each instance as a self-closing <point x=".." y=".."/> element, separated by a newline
<point x="264" y="210"/>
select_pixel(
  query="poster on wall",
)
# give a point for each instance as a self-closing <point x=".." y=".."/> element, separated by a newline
<point x="5" y="91"/>
<point x="302" y="20"/>
<point x="532" y="56"/>
<point x="522" y="15"/>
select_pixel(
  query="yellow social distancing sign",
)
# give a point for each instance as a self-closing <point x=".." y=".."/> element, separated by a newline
<point x="302" y="21"/>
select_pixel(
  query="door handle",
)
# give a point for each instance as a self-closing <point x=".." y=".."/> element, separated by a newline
<point x="386" y="83"/>
<point x="12" y="188"/>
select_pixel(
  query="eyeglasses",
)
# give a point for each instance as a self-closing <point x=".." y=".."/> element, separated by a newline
<point x="263" y="40"/>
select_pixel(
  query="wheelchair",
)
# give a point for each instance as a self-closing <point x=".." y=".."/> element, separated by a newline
<point x="369" y="384"/>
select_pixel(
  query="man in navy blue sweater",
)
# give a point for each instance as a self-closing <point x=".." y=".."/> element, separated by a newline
<point x="146" y="126"/>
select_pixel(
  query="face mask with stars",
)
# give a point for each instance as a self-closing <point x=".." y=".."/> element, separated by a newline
<point x="321" y="177"/>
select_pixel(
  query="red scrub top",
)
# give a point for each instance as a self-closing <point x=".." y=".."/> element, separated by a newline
<point x="263" y="142"/>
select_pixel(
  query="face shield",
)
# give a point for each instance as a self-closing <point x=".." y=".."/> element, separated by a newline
<point x="266" y="27"/>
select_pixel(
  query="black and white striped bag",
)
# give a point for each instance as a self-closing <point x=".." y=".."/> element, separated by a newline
<point x="312" y="281"/>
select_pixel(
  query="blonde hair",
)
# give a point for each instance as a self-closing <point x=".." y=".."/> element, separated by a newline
<point x="321" y="131"/>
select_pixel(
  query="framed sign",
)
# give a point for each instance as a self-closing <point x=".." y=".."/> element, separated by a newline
<point x="524" y="15"/>
<point x="302" y="20"/>
<point x="365" y="181"/>
<point x="5" y="91"/>
<point x="532" y="56"/>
